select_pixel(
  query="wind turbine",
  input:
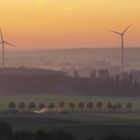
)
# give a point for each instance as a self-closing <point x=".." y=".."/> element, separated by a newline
<point x="122" y="44"/>
<point x="3" y="42"/>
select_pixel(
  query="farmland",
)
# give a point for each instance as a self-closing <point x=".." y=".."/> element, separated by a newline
<point x="82" y="125"/>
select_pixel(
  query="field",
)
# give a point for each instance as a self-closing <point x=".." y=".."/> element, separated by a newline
<point x="82" y="125"/>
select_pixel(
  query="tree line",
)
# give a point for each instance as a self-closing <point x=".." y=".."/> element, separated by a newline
<point x="72" y="105"/>
<point x="65" y="85"/>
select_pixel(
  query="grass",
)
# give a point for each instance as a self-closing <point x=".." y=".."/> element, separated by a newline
<point x="72" y="119"/>
<point x="82" y="125"/>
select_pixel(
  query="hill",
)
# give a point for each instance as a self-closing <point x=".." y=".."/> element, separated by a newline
<point x="24" y="81"/>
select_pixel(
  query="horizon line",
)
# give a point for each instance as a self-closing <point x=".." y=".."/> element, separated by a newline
<point x="59" y="49"/>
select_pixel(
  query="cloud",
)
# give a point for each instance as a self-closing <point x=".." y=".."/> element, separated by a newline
<point x="66" y="9"/>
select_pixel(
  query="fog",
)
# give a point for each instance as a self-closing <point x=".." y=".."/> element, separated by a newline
<point x="106" y="58"/>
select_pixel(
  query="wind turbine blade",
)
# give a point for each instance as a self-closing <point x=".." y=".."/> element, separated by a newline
<point x="9" y="44"/>
<point x="126" y="28"/>
<point x="115" y="32"/>
<point x="1" y="34"/>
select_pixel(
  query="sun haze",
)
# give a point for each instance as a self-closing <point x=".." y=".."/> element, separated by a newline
<point x="48" y="24"/>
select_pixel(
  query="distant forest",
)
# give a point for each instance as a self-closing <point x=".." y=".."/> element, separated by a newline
<point x="44" y="82"/>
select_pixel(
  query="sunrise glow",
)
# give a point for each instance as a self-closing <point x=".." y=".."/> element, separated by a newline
<point x="46" y="24"/>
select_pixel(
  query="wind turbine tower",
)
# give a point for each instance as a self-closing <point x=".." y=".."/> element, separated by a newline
<point x="3" y="42"/>
<point x="122" y="44"/>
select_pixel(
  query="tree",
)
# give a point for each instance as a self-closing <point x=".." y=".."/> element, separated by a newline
<point x="32" y="106"/>
<point x="81" y="105"/>
<point x="51" y="106"/>
<point x="119" y="106"/>
<point x="112" y="82"/>
<point x="12" y="105"/>
<point x="22" y="105"/>
<point x="114" y="137"/>
<point x="23" y="135"/>
<point x="129" y="106"/>
<point x="114" y="108"/>
<point x="109" y="106"/>
<point x="131" y="80"/>
<point x="99" y="105"/>
<point x="52" y="135"/>
<point x="62" y="105"/>
<point x="90" y="106"/>
<point x="5" y="131"/>
<point x="72" y="106"/>
<point x="41" y="106"/>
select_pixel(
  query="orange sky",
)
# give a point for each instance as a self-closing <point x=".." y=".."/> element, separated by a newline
<point x="46" y="24"/>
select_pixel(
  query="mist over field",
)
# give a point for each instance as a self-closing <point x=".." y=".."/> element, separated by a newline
<point x="108" y="58"/>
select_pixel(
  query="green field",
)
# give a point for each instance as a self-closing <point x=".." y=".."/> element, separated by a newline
<point x="73" y="119"/>
<point x="82" y="125"/>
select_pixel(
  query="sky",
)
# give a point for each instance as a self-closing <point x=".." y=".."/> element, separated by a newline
<point x="51" y="24"/>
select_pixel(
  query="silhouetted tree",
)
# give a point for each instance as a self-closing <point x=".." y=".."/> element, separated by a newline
<point x="99" y="105"/>
<point x="22" y="106"/>
<point x="5" y="131"/>
<point x="131" y="80"/>
<point x="62" y="105"/>
<point x="113" y="137"/>
<point x="136" y="84"/>
<point x="112" y="82"/>
<point x="119" y="106"/>
<point x="12" y="105"/>
<point x="72" y="106"/>
<point x="129" y="106"/>
<point x="23" y="135"/>
<point x="90" y="106"/>
<point x="32" y="106"/>
<point x="109" y="106"/>
<point x="53" y="135"/>
<point x="81" y="105"/>
<point x="41" y="106"/>
<point x="51" y="106"/>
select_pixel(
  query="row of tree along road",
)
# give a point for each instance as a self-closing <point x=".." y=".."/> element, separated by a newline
<point x="71" y="106"/>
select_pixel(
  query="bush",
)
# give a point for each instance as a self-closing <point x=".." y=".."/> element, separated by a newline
<point x="5" y="130"/>
<point x="6" y="133"/>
